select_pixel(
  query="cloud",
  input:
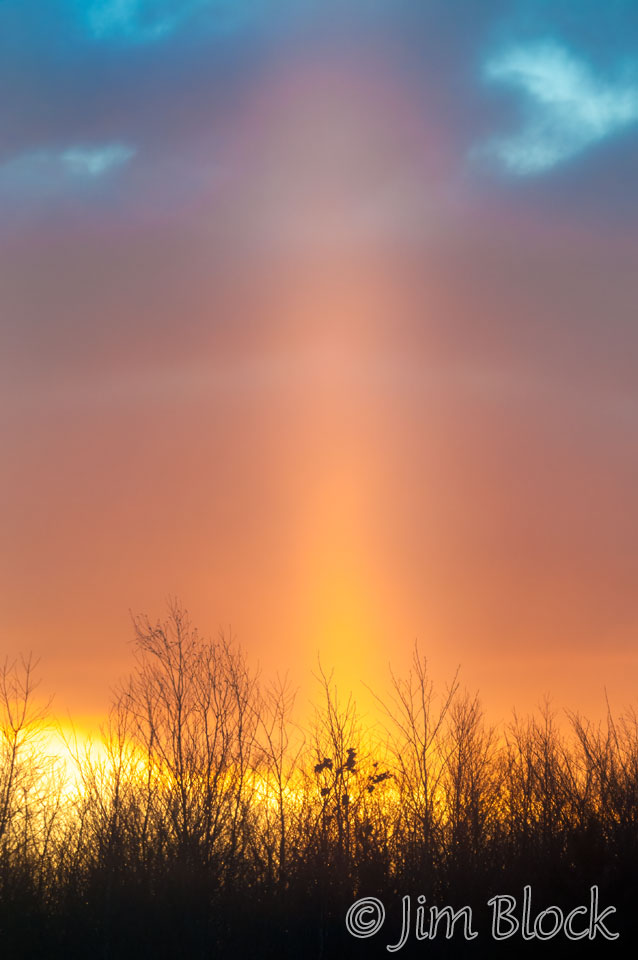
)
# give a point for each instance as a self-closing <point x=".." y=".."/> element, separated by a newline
<point x="569" y="108"/>
<point x="146" y="21"/>
<point x="95" y="162"/>
<point x="50" y="171"/>
<point x="140" y="20"/>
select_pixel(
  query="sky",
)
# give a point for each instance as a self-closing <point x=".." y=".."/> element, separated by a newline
<point x="320" y="316"/>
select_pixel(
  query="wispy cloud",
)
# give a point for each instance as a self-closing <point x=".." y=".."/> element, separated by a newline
<point x="141" y="20"/>
<point x="146" y="21"/>
<point x="95" y="162"/>
<point x="48" y="171"/>
<point x="568" y="107"/>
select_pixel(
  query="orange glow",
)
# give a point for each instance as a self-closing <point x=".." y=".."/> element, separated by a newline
<point x="308" y="416"/>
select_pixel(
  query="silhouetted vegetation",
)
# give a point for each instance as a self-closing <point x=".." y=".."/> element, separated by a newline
<point x="210" y="825"/>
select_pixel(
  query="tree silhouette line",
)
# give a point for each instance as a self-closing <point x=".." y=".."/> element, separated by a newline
<point x="211" y="824"/>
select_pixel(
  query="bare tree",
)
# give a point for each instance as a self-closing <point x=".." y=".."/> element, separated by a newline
<point x="192" y="705"/>
<point x="470" y="782"/>
<point x="281" y="749"/>
<point x="31" y="779"/>
<point x="415" y="723"/>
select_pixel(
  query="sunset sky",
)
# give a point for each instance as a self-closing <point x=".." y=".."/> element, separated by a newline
<point x="322" y="317"/>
